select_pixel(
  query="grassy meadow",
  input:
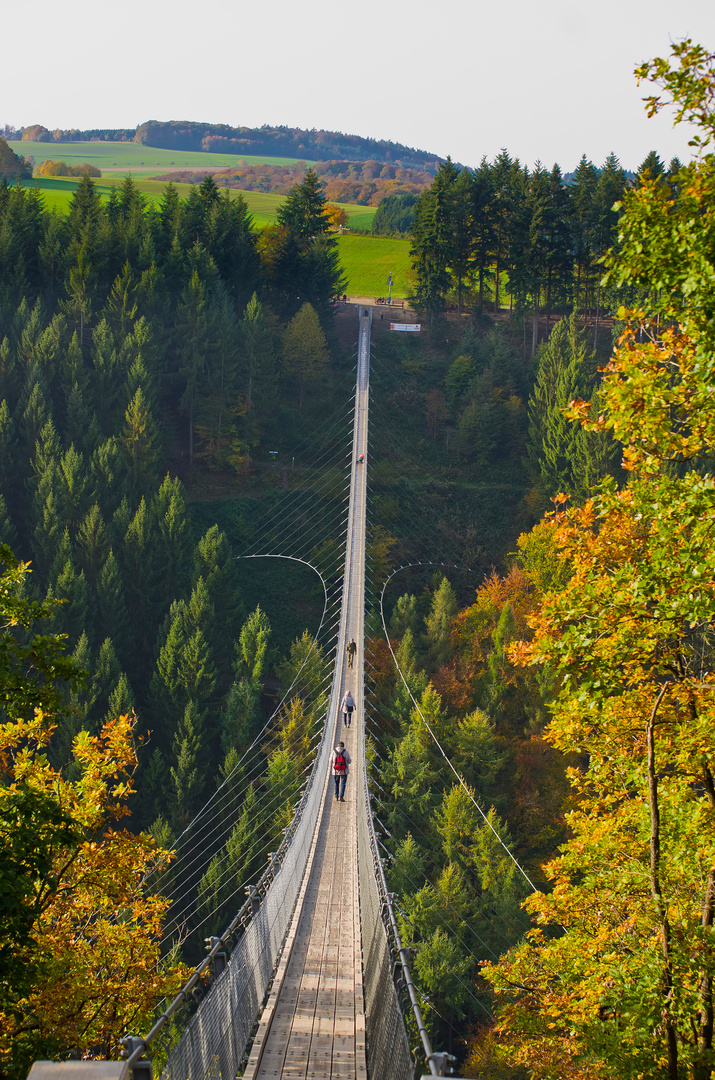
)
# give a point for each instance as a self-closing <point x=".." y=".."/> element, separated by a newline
<point x="131" y="157"/>
<point x="367" y="259"/>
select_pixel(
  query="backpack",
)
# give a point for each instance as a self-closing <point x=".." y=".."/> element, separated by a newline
<point x="341" y="764"/>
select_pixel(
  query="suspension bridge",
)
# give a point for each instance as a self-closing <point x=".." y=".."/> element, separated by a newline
<point x="309" y="978"/>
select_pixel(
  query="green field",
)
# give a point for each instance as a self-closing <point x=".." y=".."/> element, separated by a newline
<point x="131" y="157"/>
<point x="58" y="190"/>
<point x="369" y="259"/>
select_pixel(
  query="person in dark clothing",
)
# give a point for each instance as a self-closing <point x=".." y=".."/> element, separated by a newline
<point x="351" y="650"/>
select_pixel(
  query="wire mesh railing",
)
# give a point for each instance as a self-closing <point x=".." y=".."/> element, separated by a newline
<point x="388" y="1050"/>
<point x="232" y="982"/>
<point x="234" y="979"/>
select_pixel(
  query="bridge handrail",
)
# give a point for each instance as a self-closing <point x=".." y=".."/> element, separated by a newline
<point x="242" y="919"/>
<point x="256" y="892"/>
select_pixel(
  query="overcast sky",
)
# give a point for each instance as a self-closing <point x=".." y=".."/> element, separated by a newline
<point x="549" y="80"/>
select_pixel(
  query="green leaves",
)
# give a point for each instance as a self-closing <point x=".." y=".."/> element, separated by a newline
<point x="620" y="976"/>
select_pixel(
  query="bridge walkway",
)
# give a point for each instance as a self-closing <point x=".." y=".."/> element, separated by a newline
<point x="314" y="1022"/>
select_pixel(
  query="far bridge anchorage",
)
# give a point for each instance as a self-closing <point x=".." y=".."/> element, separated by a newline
<point x="310" y="978"/>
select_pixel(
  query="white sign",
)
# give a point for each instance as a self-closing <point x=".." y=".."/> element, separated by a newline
<point x="414" y="326"/>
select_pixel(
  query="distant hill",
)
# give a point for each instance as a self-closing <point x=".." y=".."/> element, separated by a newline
<point x="280" y="142"/>
<point x="288" y="142"/>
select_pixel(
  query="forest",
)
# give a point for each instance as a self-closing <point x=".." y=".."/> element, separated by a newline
<point x="366" y="183"/>
<point x="173" y="379"/>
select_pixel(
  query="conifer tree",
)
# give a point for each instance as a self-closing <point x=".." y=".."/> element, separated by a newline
<point x="121" y="307"/>
<point x="121" y="702"/>
<point x="8" y="532"/>
<point x="404" y="616"/>
<point x="242" y="715"/>
<point x="105" y="381"/>
<point x="432" y="235"/>
<point x="109" y="477"/>
<point x="112" y="617"/>
<point x="8" y="371"/>
<point x="74" y="488"/>
<point x="188" y="773"/>
<point x="169" y="540"/>
<point x="93" y="544"/>
<point x="439" y="620"/>
<point x="257" y="361"/>
<point x="214" y="563"/>
<point x="139" y="439"/>
<point x="71" y="587"/>
<point x="81" y="429"/>
<point x="35" y="412"/>
<point x="80" y="287"/>
<point x="563" y="456"/>
<point x="305" y="350"/>
<point x="195" y="348"/>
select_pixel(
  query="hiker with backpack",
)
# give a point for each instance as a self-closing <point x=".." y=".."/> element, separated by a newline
<point x="340" y="766"/>
<point x="346" y="707"/>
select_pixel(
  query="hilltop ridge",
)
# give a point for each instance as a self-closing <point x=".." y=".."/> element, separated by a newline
<point x="278" y="141"/>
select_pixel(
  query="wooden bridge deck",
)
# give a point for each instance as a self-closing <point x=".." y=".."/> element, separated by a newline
<point x="317" y="1028"/>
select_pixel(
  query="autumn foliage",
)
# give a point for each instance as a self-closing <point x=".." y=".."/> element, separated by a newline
<point x="617" y="977"/>
<point x="81" y="963"/>
<point x="61" y="168"/>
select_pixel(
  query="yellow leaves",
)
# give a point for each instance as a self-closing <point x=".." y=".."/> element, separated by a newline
<point x="96" y="928"/>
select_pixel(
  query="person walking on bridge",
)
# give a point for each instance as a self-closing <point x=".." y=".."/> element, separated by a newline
<point x="346" y="707"/>
<point x="340" y="767"/>
<point x="351" y="649"/>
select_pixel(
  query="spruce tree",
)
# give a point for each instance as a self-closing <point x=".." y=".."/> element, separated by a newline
<point x="80" y="431"/>
<point x="121" y="699"/>
<point x="432" y="236"/>
<point x="105" y="378"/>
<point x="195" y="347"/>
<point x="93" y="544"/>
<point x="439" y="622"/>
<point x="188" y="772"/>
<point x="140" y="442"/>
<point x="71" y="587"/>
<point x="305" y="352"/>
<point x="8" y="532"/>
<point x="169" y="541"/>
<point x="257" y="360"/>
<point x="8" y="451"/>
<point x="563" y="456"/>
<point x="110" y="480"/>
<point x="112" y="618"/>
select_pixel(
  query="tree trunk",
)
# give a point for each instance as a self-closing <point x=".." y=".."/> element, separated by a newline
<point x="703" y="1070"/>
<point x="657" y="894"/>
<point x="535" y="328"/>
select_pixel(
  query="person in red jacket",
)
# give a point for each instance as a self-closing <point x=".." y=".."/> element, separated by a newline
<point x="340" y="767"/>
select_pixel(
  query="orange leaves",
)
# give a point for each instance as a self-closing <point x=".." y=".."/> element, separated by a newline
<point x="93" y="924"/>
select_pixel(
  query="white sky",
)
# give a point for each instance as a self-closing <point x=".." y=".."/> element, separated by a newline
<point x="547" y="79"/>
